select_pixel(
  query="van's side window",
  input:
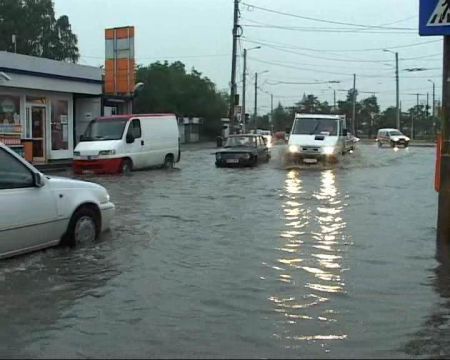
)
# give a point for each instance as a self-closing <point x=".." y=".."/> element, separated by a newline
<point x="135" y="128"/>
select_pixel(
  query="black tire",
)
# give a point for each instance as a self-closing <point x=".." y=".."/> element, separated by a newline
<point x="168" y="162"/>
<point x="380" y="144"/>
<point x="126" y="167"/>
<point x="84" y="226"/>
<point x="255" y="161"/>
<point x="406" y="144"/>
<point x="392" y="144"/>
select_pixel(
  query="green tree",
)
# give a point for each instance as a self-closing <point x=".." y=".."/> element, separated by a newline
<point x="310" y="104"/>
<point x="281" y="118"/>
<point x="37" y="31"/>
<point x="368" y="111"/>
<point x="169" y="88"/>
<point x="345" y="107"/>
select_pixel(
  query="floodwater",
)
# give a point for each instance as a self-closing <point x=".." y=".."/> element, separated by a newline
<point x="264" y="262"/>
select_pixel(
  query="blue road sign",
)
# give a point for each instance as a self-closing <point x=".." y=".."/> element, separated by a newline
<point x="434" y="17"/>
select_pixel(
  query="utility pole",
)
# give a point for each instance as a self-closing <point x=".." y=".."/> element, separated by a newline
<point x="244" y="81"/>
<point x="271" y="112"/>
<point x="434" y="100"/>
<point x="397" y="90"/>
<point x="334" y="100"/>
<point x="428" y="104"/>
<point x="256" y="99"/>
<point x="354" y="105"/>
<point x="233" y="67"/>
<point x="443" y="226"/>
<point x="13" y="39"/>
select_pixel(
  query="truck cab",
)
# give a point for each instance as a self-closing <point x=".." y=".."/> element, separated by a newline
<point x="317" y="138"/>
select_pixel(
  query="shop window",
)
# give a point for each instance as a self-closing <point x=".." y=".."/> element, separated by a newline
<point x="60" y="125"/>
<point x="9" y="110"/>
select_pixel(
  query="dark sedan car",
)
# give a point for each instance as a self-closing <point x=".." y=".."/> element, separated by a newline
<point x="243" y="150"/>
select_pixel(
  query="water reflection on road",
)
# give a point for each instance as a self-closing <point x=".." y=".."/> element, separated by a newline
<point x="310" y="260"/>
<point x="265" y="262"/>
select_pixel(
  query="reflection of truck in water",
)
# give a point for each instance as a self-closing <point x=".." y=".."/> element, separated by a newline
<point x="318" y="138"/>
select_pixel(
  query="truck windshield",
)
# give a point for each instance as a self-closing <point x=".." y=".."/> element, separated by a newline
<point x="105" y="129"/>
<point x="309" y="126"/>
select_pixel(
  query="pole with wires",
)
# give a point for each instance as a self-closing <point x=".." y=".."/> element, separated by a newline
<point x="244" y="81"/>
<point x="354" y="106"/>
<point x="233" y="68"/>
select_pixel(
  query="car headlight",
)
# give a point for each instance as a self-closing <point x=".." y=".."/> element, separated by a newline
<point x="395" y="139"/>
<point x="407" y="138"/>
<point x="107" y="152"/>
<point x="294" y="149"/>
<point x="328" y="150"/>
<point x="76" y="153"/>
<point x="246" y="156"/>
<point x="218" y="156"/>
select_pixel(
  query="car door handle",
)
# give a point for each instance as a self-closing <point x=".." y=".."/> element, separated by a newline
<point x="142" y="142"/>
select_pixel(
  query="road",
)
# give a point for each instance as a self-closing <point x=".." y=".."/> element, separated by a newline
<point x="264" y="262"/>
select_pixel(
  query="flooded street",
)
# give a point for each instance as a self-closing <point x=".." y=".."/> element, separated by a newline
<point x="264" y="262"/>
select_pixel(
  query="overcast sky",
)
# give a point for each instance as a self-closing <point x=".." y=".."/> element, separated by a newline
<point x="198" y="33"/>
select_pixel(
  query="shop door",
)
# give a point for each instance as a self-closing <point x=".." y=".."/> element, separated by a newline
<point x="36" y="116"/>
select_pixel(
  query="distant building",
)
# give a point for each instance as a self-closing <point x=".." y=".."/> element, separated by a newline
<point x="189" y="129"/>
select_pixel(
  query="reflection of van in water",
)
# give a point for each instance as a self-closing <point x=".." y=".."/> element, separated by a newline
<point x="122" y="143"/>
<point x="317" y="138"/>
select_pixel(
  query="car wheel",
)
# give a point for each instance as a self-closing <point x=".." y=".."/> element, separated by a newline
<point x="127" y="166"/>
<point x="406" y="144"/>
<point x="255" y="161"/>
<point x="379" y="144"/>
<point x="168" y="162"/>
<point x="83" y="227"/>
<point x="392" y="144"/>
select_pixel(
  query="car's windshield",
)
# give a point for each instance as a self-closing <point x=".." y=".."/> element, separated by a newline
<point x="105" y="129"/>
<point x="241" y="141"/>
<point x="309" y="126"/>
<point x="395" y="133"/>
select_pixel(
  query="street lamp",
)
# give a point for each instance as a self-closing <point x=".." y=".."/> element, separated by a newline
<point x="256" y="94"/>
<point x="397" y="86"/>
<point x="244" y="78"/>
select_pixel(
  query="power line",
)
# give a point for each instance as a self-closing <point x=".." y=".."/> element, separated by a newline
<point x="335" y="59"/>
<point x="251" y="6"/>
<point x="324" y="30"/>
<point x="294" y="47"/>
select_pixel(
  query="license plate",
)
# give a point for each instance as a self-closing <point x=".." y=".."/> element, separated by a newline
<point x="232" y="161"/>
<point x="88" y="172"/>
<point x="310" y="161"/>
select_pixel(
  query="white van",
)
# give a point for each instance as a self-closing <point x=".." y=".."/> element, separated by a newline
<point x="317" y="138"/>
<point x="121" y="143"/>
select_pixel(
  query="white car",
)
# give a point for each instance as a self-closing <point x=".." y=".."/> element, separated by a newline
<point x="38" y="211"/>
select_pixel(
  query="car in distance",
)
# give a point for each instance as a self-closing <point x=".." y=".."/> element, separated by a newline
<point x="392" y="137"/>
<point x="37" y="211"/>
<point x="243" y="150"/>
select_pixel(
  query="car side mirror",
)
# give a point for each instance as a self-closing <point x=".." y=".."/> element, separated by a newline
<point x="82" y="137"/>
<point x="38" y="180"/>
<point x="345" y="132"/>
<point x="130" y="139"/>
